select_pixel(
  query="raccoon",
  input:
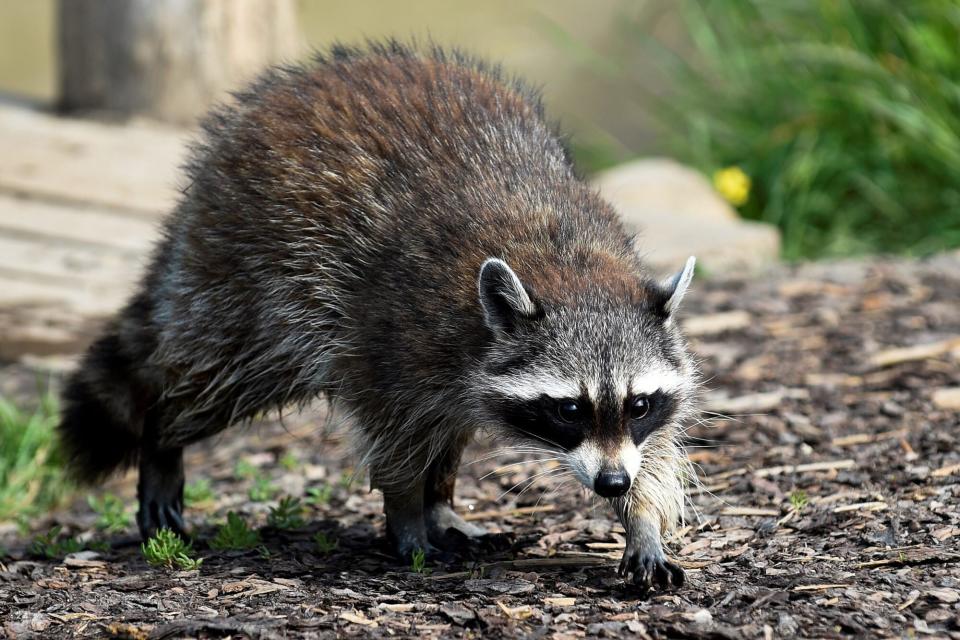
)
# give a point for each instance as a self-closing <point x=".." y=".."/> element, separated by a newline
<point x="399" y="230"/>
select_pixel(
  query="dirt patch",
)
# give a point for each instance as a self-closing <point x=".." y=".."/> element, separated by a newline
<point x="829" y="503"/>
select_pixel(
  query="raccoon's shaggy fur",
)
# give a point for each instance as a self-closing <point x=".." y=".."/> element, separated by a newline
<point x="329" y="243"/>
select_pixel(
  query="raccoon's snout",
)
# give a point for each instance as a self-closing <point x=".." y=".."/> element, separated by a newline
<point x="611" y="483"/>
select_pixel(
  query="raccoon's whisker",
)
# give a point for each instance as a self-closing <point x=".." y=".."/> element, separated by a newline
<point x="705" y="381"/>
<point x="555" y="489"/>
<point x="683" y="431"/>
<point x="699" y="439"/>
<point x="502" y="469"/>
<point x="524" y="449"/>
<point x="540" y="438"/>
<point x="731" y="417"/>
<point x="489" y="456"/>
<point x="507" y="450"/>
<point x="533" y="481"/>
<point x="522" y="491"/>
<point x="527" y="480"/>
<point x="699" y="488"/>
<point x="707" y="422"/>
<point x="513" y="487"/>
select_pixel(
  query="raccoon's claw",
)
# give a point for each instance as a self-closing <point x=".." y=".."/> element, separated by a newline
<point x="406" y="553"/>
<point x="409" y="541"/>
<point x="497" y="542"/>
<point x="154" y="516"/>
<point x="650" y="570"/>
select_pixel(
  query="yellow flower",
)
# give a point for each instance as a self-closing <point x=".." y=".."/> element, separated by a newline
<point x="733" y="184"/>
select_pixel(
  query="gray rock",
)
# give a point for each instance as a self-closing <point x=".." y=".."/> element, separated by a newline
<point x="677" y="213"/>
<point x="654" y="185"/>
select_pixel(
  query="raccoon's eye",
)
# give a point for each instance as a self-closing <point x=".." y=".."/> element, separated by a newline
<point x="569" y="410"/>
<point x="639" y="407"/>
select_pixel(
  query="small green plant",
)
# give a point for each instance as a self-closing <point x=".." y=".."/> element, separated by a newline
<point x="289" y="461"/>
<point x="235" y="534"/>
<point x="477" y="571"/>
<point x="32" y="478"/>
<point x="112" y="515"/>
<point x="197" y="492"/>
<point x="244" y="469"/>
<point x="325" y="544"/>
<point x="98" y="545"/>
<point x="167" y="549"/>
<point x="319" y="496"/>
<point x="419" y="562"/>
<point x="262" y="490"/>
<point x="51" y="545"/>
<point x="798" y="500"/>
<point x="288" y="514"/>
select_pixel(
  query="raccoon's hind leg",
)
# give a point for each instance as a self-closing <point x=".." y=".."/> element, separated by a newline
<point x="161" y="479"/>
<point x="160" y="491"/>
<point x="445" y="528"/>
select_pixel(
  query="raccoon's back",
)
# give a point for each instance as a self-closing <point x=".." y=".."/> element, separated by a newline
<point x="351" y="149"/>
<point x="350" y="202"/>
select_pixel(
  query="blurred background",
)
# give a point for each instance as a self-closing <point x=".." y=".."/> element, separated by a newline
<point x="748" y="133"/>
<point x="841" y="115"/>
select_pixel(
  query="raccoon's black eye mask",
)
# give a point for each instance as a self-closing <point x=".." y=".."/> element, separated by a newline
<point x="646" y="413"/>
<point x="558" y="422"/>
<point x="566" y="422"/>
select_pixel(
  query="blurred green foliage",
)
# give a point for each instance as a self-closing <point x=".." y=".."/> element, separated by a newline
<point x="845" y="114"/>
<point x="32" y="477"/>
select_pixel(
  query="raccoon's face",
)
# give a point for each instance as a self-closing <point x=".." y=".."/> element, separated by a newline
<point x="600" y="381"/>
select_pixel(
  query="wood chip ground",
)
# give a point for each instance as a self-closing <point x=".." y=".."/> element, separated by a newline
<point x="828" y="505"/>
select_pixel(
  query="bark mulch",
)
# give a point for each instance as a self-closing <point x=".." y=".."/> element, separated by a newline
<point x="829" y="505"/>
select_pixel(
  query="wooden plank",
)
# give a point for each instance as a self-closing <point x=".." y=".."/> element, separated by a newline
<point x="91" y="227"/>
<point x="40" y="340"/>
<point x="90" y="300"/>
<point x="52" y="262"/>
<point x="132" y="167"/>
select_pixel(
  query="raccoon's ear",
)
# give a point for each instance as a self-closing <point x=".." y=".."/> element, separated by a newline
<point x="676" y="285"/>
<point x="504" y="299"/>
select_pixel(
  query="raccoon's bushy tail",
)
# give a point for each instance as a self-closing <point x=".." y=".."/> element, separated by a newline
<point x="102" y="419"/>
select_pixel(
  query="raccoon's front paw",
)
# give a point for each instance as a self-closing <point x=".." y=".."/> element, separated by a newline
<point x="441" y="519"/>
<point x="650" y="568"/>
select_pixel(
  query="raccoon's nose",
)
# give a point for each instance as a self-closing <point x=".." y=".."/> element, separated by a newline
<point x="611" y="484"/>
